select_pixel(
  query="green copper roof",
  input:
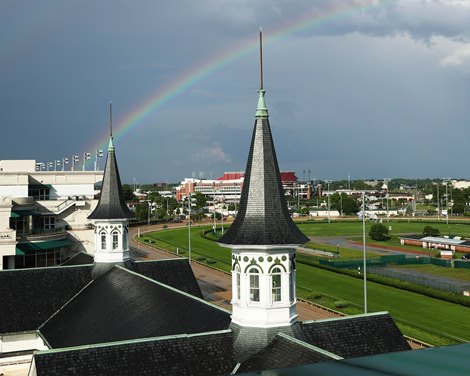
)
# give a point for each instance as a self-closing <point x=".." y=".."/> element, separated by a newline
<point x="261" y="110"/>
<point x="111" y="144"/>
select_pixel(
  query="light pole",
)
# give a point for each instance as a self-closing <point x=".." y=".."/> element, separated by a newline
<point x="86" y="156"/>
<point x="328" y="187"/>
<point x="64" y="162"/>
<point x="386" y="196"/>
<point x="222" y="216"/>
<point x="364" y="248"/>
<point x="98" y="154"/>
<point x="341" y="200"/>
<point x="148" y="213"/>
<point x="438" y="206"/>
<point x="446" y="180"/>
<point x="189" y="227"/>
<point x="74" y="160"/>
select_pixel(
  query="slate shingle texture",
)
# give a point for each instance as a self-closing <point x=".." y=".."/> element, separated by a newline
<point x="263" y="218"/>
<point x="122" y="305"/>
<point x="111" y="204"/>
<point x="30" y="296"/>
<point x="208" y="354"/>
<point x="176" y="273"/>
<point x="356" y="336"/>
<point x="80" y="258"/>
<point x="282" y="352"/>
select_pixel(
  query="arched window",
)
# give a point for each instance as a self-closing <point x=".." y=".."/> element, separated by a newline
<point x="237" y="281"/>
<point x="115" y="239"/>
<point x="254" y="284"/>
<point x="276" y="284"/>
<point x="103" y="240"/>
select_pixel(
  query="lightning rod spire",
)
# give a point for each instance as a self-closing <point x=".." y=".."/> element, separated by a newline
<point x="110" y="119"/>
<point x="261" y="57"/>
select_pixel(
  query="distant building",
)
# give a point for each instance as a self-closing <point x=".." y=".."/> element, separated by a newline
<point x="436" y="242"/>
<point x="43" y="214"/>
<point x="229" y="186"/>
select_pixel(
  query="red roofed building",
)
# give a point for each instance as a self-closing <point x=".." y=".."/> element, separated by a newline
<point x="228" y="186"/>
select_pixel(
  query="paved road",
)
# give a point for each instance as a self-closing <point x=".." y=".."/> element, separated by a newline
<point x="216" y="286"/>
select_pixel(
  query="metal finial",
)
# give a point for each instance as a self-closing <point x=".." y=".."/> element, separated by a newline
<point x="110" y="119"/>
<point x="261" y="57"/>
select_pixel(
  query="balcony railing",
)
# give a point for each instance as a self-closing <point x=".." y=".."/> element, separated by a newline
<point x="40" y="232"/>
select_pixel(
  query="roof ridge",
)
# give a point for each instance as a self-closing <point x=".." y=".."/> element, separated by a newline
<point x="379" y="313"/>
<point x="172" y="288"/>
<point x="60" y="309"/>
<point x="309" y="346"/>
<point x="130" y="341"/>
<point x="44" y="268"/>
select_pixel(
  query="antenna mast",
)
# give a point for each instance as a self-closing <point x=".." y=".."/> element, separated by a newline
<point x="261" y="57"/>
<point x="110" y="119"/>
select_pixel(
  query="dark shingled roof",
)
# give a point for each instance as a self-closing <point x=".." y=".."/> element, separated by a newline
<point x="111" y="204"/>
<point x="176" y="273"/>
<point x="80" y="258"/>
<point x="30" y="296"/>
<point x="123" y="305"/>
<point x="263" y="218"/>
<point x="355" y="336"/>
<point x="250" y="340"/>
<point x="285" y="351"/>
<point x="201" y="354"/>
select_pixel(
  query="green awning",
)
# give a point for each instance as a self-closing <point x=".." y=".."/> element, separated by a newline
<point x="23" y="213"/>
<point x="25" y="248"/>
<point x="40" y="186"/>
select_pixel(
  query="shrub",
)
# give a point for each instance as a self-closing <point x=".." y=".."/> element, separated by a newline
<point x="379" y="232"/>
<point x="313" y="295"/>
<point x="341" y="304"/>
<point x="431" y="231"/>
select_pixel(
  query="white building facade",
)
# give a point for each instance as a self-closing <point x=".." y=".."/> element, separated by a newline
<point x="43" y="214"/>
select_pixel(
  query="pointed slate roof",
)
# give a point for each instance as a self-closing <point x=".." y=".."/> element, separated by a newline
<point x="111" y="204"/>
<point x="263" y="218"/>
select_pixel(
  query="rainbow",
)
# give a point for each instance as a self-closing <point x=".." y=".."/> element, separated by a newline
<point x="216" y="62"/>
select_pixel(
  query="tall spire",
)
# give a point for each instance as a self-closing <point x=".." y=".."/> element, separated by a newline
<point x="111" y="204"/>
<point x="263" y="218"/>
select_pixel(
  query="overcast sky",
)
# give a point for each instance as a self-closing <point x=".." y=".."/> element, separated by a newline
<point x="377" y="89"/>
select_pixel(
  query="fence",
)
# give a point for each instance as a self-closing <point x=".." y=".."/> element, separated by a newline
<point x="382" y="261"/>
<point x="421" y="279"/>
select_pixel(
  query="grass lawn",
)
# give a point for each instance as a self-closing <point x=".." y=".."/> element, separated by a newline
<point x="431" y="320"/>
<point x="410" y="308"/>
<point x="354" y="228"/>
<point x="344" y="253"/>
<point x="457" y="273"/>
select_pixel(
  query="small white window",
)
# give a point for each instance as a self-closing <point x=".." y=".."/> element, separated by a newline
<point x="276" y="287"/>
<point x="254" y="284"/>
<point x="115" y="239"/>
<point x="103" y="240"/>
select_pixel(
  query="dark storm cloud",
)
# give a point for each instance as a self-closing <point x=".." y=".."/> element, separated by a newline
<point x="379" y="91"/>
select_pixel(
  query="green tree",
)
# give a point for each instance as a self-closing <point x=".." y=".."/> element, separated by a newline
<point x="201" y="200"/>
<point x="431" y="231"/>
<point x="379" y="232"/>
<point x="127" y="192"/>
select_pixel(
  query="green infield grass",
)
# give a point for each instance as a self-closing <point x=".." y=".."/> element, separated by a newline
<point x="431" y="320"/>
